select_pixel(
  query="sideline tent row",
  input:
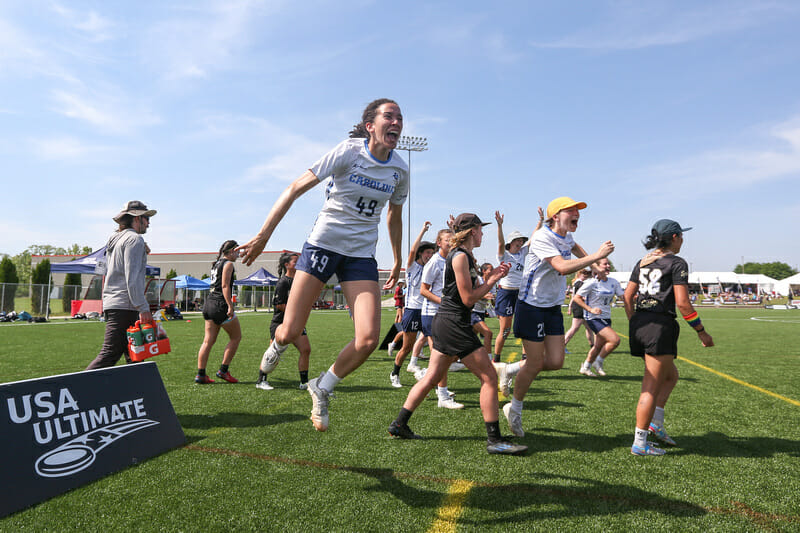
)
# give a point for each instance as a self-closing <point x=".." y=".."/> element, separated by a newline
<point x="727" y="279"/>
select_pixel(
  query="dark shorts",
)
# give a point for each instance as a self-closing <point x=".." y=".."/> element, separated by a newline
<point x="215" y="309"/>
<point x="322" y="264"/>
<point x="274" y="326"/>
<point x="534" y="323"/>
<point x="598" y="324"/>
<point x="427" y="323"/>
<point x="506" y="301"/>
<point x="412" y="320"/>
<point x="653" y="334"/>
<point x="452" y="335"/>
<point x="474" y="318"/>
<point x="576" y="311"/>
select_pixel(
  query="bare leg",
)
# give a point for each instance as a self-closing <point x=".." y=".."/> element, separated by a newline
<point x="234" y="331"/>
<point x="364" y="299"/>
<point x="210" y="337"/>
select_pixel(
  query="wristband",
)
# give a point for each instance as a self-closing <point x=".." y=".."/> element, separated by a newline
<point x="693" y="320"/>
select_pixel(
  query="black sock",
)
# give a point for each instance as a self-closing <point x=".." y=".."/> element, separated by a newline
<point x="404" y="416"/>
<point x="493" y="431"/>
<point x="304" y="376"/>
<point x="201" y="371"/>
<point x="396" y="371"/>
<point x="496" y="358"/>
<point x="261" y="376"/>
<point x="223" y="368"/>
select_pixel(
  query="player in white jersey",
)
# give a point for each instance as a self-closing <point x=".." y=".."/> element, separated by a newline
<point x="595" y="297"/>
<point x="366" y="173"/>
<point x="538" y="321"/>
<point x="419" y="255"/>
<point x="513" y="252"/>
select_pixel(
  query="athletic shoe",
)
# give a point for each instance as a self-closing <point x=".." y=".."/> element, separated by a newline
<point x="566" y="351"/>
<point x="586" y="371"/>
<point x="450" y="403"/>
<point x="413" y="368"/>
<point x="514" y="420"/>
<point x="402" y="431"/>
<point x="319" y="399"/>
<point x="391" y="349"/>
<point x="503" y="379"/>
<point x="395" y="379"/>
<point x="203" y="380"/>
<point x="271" y="359"/>
<point x="264" y="385"/>
<point x="227" y="377"/>
<point x="503" y="447"/>
<point x="303" y="386"/>
<point x="659" y="433"/>
<point x="419" y="374"/>
<point x="647" y="449"/>
<point x="455" y="367"/>
<point x="598" y="367"/>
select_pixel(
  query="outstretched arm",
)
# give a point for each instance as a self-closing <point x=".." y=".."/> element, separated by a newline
<point x="253" y="248"/>
<point x="501" y="240"/>
<point x="412" y="253"/>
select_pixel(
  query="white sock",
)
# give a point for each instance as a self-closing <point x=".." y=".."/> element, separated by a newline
<point x="658" y="417"/>
<point x="512" y="369"/>
<point x="516" y="405"/>
<point x="280" y="347"/>
<point x="328" y="380"/>
<point x="391" y="345"/>
<point x="413" y="361"/>
<point x="442" y="393"/>
<point x="585" y="365"/>
<point x="599" y="361"/>
<point x="640" y="437"/>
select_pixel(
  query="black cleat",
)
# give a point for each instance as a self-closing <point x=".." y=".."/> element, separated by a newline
<point x="505" y="447"/>
<point x="402" y="431"/>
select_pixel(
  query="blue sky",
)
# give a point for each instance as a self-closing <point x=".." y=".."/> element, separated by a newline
<point x="207" y="110"/>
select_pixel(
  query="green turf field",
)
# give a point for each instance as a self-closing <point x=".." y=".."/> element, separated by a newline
<point x="254" y="462"/>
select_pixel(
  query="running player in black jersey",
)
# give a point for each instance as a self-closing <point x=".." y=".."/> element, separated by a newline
<point x="453" y="337"/>
<point x="659" y="284"/>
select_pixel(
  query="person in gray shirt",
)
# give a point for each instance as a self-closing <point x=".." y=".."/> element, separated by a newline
<point x="124" y="301"/>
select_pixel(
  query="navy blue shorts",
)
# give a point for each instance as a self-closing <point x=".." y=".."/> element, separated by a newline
<point x="322" y="264"/>
<point x="427" y="323"/>
<point x="412" y="320"/>
<point x="505" y="301"/>
<point x="474" y="318"/>
<point x="534" y="323"/>
<point x="598" y="324"/>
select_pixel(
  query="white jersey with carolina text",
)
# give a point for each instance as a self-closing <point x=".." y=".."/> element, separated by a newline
<point x="359" y="188"/>
<point x="542" y="285"/>
<point x="600" y="294"/>
<point x="433" y="275"/>
<point x="413" y="281"/>
<point x="514" y="278"/>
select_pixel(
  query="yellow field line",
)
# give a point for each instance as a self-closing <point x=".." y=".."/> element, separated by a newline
<point x="453" y="505"/>
<point x="740" y="382"/>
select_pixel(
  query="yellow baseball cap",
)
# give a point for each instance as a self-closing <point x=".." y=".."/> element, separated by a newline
<point x="561" y="203"/>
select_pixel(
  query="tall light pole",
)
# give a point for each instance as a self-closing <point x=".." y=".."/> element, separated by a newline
<point x="411" y="144"/>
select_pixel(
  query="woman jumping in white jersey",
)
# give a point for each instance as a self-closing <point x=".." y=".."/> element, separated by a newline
<point x="366" y="174"/>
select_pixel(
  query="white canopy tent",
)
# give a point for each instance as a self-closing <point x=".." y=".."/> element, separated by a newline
<point x="782" y="286"/>
<point x="724" y="279"/>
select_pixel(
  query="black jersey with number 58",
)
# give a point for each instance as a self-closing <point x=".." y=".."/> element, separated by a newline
<point x="656" y="281"/>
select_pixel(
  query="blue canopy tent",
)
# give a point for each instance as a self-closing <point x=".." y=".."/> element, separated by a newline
<point x="260" y="278"/>
<point x="188" y="283"/>
<point x="88" y="265"/>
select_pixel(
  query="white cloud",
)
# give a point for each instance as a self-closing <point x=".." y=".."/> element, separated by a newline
<point x="112" y="114"/>
<point x="95" y="26"/>
<point x="66" y="148"/>
<point x="634" y="25"/>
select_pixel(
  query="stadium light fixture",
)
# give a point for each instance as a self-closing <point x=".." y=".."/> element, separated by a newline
<point x="411" y="144"/>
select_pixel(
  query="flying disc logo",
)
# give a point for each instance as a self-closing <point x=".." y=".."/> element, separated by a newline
<point x="55" y="415"/>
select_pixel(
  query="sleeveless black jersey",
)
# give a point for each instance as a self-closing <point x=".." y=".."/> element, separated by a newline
<point x="216" y="276"/>
<point x="656" y="282"/>
<point x="451" y="299"/>
<point x="282" y="289"/>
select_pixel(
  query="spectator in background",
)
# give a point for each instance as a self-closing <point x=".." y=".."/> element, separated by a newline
<point x="124" y="301"/>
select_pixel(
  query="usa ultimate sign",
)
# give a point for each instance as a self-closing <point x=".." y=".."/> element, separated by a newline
<point x="61" y="432"/>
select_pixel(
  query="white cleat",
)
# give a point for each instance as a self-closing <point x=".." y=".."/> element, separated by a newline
<point x="391" y="349"/>
<point x="514" y="420"/>
<point x="271" y="359"/>
<point x="413" y="368"/>
<point x="319" y="399"/>
<point x="598" y="367"/>
<point x="264" y="385"/>
<point x="450" y="403"/>
<point x="419" y="374"/>
<point x="395" y="379"/>
<point x="586" y="371"/>
<point x="455" y="367"/>
<point x="503" y="379"/>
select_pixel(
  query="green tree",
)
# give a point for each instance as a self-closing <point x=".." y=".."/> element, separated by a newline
<point x="72" y="291"/>
<point x="775" y="270"/>
<point x="171" y="274"/>
<point x="9" y="280"/>
<point x="40" y="278"/>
